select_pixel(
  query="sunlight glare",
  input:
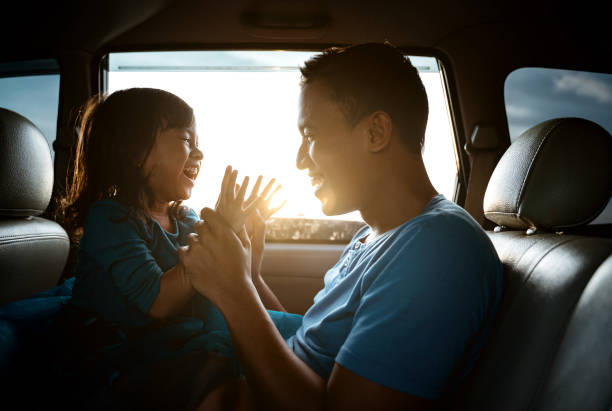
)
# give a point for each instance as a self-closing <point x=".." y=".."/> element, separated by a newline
<point x="247" y="119"/>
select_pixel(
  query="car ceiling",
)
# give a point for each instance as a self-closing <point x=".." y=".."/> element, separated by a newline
<point x="531" y="29"/>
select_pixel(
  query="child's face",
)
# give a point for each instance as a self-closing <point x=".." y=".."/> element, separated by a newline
<point x="173" y="164"/>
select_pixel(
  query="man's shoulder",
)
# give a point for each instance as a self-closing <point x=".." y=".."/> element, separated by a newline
<point x="444" y="222"/>
<point x="443" y="239"/>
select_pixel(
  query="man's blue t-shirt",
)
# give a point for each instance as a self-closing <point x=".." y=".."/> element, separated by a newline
<point x="409" y="310"/>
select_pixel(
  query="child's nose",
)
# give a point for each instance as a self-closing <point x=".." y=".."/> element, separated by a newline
<point x="197" y="153"/>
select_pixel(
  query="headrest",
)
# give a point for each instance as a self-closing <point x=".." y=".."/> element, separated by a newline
<point x="26" y="169"/>
<point x="556" y="175"/>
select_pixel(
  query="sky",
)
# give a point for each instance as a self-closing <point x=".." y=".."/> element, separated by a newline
<point x="533" y="95"/>
<point x="34" y="97"/>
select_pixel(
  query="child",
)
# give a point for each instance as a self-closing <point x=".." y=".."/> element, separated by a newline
<point x="132" y="305"/>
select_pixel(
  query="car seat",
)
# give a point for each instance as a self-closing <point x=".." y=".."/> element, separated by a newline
<point x="33" y="250"/>
<point x="550" y="345"/>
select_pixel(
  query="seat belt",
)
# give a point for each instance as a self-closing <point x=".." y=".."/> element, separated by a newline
<point x="483" y="151"/>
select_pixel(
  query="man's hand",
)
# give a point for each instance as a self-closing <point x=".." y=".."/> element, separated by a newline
<point x="256" y="221"/>
<point x="217" y="260"/>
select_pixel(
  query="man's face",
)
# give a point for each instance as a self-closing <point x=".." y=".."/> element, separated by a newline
<point x="331" y="150"/>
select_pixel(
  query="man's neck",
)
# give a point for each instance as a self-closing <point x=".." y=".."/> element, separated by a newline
<point x="397" y="198"/>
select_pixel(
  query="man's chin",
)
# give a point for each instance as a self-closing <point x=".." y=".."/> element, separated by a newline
<point x="331" y="207"/>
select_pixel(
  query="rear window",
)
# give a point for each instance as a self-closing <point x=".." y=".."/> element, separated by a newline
<point x="246" y="114"/>
<point x="31" y="88"/>
<point x="534" y="94"/>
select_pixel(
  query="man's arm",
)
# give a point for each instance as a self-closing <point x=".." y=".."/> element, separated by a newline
<point x="349" y="391"/>
<point x="280" y="380"/>
<point x="256" y="228"/>
<point x="277" y="378"/>
<point x="267" y="296"/>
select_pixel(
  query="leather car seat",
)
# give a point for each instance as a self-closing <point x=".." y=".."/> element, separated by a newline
<point x="550" y="345"/>
<point x="33" y="250"/>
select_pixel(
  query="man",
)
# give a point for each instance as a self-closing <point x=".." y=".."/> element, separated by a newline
<point x="405" y="311"/>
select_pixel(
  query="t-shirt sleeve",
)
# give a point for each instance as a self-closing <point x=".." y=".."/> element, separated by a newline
<point x="191" y="218"/>
<point x="118" y="245"/>
<point x="415" y="317"/>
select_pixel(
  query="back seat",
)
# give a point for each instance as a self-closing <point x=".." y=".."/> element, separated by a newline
<point x="551" y="345"/>
<point x="33" y="249"/>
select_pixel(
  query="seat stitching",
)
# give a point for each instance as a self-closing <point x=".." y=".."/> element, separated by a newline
<point x="551" y="128"/>
<point x="32" y="240"/>
<point x="30" y="235"/>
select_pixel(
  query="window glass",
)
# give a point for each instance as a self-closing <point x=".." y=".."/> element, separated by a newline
<point x="32" y="89"/>
<point x="534" y="94"/>
<point x="246" y="114"/>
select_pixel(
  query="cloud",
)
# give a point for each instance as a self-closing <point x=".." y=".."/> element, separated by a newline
<point x="583" y="84"/>
<point x="518" y="112"/>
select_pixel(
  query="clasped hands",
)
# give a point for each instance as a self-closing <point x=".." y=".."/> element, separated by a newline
<point x="226" y="251"/>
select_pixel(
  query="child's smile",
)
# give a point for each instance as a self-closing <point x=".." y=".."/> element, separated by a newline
<point x="173" y="164"/>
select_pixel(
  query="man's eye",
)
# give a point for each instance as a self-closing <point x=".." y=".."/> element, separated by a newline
<point x="309" y="138"/>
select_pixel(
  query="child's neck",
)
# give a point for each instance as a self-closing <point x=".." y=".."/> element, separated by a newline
<point x="159" y="213"/>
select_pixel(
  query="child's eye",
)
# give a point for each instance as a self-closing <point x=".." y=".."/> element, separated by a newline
<point x="309" y="138"/>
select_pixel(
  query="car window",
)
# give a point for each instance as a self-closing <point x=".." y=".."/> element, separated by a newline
<point x="246" y="115"/>
<point x="31" y="88"/>
<point x="534" y="94"/>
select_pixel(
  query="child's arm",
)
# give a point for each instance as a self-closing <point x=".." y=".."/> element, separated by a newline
<point x="115" y="248"/>
<point x="175" y="290"/>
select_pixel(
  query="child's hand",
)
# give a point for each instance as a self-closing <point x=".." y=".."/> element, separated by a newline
<point x="231" y="205"/>
<point x="263" y="207"/>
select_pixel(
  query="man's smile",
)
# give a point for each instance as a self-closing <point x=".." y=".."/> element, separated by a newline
<point x="316" y="180"/>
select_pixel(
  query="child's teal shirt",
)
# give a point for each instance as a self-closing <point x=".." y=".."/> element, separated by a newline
<point x="120" y="264"/>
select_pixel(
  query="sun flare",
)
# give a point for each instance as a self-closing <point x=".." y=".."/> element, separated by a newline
<point x="247" y="119"/>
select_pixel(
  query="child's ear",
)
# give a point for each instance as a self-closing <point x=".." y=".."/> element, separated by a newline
<point x="139" y="163"/>
<point x="379" y="130"/>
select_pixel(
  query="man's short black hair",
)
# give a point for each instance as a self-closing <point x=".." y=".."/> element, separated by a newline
<point x="369" y="77"/>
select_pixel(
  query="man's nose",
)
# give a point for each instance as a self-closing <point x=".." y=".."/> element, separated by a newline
<point x="303" y="160"/>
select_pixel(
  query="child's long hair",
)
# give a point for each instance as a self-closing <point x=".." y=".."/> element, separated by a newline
<point x="116" y="134"/>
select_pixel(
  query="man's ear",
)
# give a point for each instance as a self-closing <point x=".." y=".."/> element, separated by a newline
<point x="379" y="130"/>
